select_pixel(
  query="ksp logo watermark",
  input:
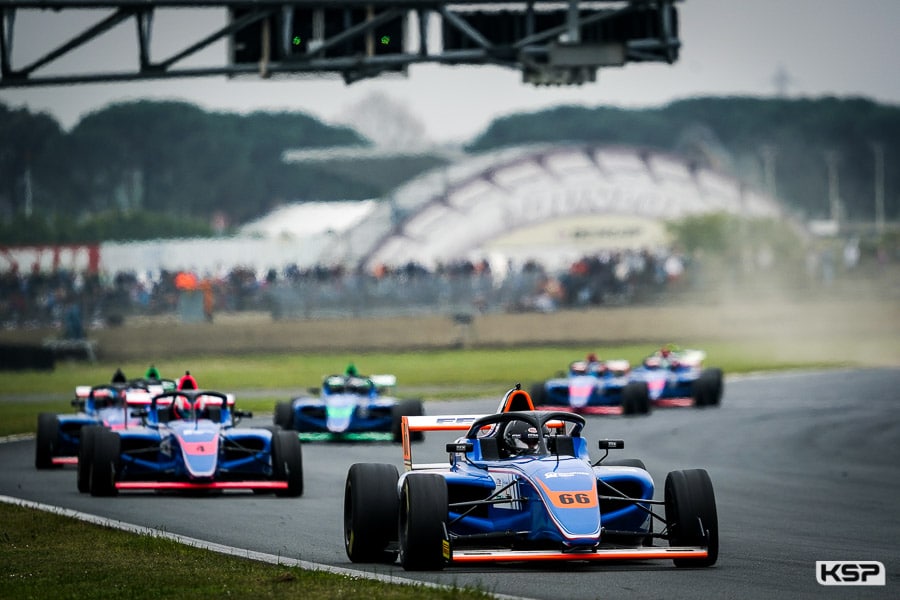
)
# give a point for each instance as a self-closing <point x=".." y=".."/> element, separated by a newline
<point x="850" y="572"/>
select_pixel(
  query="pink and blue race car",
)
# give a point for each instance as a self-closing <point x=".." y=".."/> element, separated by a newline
<point x="189" y="441"/>
<point x="669" y="377"/>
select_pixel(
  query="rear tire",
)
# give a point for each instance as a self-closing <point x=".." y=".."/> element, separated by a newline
<point x="86" y="456"/>
<point x="287" y="462"/>
<point x="47" y="440"/>
<point x="284" y="415"/>
<point x="691" y="515"/>
<point x="636" y="398"/>
<point x="423" y="512"/>
<point x="371" y="507"/>
<point x="104" y="463"/>
<point x="406" y="408"/>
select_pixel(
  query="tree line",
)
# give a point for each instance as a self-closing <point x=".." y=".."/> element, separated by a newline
<point x="152" y="169"/>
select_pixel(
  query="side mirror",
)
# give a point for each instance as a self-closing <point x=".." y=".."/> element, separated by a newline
<point x="455" y="447"/>
<point x="612" y="444"/>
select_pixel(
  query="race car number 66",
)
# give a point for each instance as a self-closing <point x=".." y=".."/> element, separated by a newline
<point x="850" y="572"/>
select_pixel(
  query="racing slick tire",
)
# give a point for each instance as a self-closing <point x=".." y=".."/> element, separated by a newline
<point x="104" y="463"/>
<point x="47" y="440"/>
<point x="287" y="462"/>
<point x="691" y="515"/>
<point x="371" y="508"/>
<point x="539" y="393"/>
<point x="85" y="456"/>
<point x="406" y="408"/>
<point x="423" y="512"/>
<point x="636" y="398"/>
<point x="284" y="415"/>
<point x="707" y="388"/>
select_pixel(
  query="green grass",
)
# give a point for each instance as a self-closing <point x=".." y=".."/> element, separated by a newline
<point x="46" y="555"/>
<point x="431" y="375"/>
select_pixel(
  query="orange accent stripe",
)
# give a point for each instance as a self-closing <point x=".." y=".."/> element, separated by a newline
<point x="572" y="498"/>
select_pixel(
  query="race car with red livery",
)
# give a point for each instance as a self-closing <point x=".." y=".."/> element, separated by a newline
<point x="520" y="486"/>
<point x="678" y="377"/>
<point x="108" y="405"/>
<point x="594" y="387"/>
<point x="189" y="440"/>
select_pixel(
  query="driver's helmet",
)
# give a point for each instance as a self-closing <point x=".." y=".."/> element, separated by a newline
<point x="351" y="370"/>
<point x="119" y="377"/>
<point x="187" y="382"/>
<point x="152" y="374"/>
<point x="181" y="408"/>
<point x="521" y="437"/>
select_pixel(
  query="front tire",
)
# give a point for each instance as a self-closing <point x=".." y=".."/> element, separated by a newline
<point x="104" y="464"/>
<point x="691" y="515"/>
<point x="287" y="462"/>
<point x="47" y="440"/>
<point x="423" y="512"/>
<point x="371" y="507"/>
<point x="86" y="456"/>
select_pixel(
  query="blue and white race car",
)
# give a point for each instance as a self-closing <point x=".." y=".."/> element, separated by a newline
<point x="108" y="405"/>
<point x="348" y="407"/>
<point x="189" y="441"/>
<point x="520" y="486"/>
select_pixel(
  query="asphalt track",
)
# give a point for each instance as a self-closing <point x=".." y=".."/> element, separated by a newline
<point x="806" y="467"/>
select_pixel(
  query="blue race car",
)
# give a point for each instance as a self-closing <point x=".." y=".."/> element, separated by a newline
<point x="107" y="405"/>
<point x="188" y="442"/>
<point x="592" y="386"/>
<point x="348" y="407"/>
<point x="677" y="377"/>
<point x="519" y="487"/>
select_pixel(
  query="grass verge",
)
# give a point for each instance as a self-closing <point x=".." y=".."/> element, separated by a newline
<point x="45" y="555"/>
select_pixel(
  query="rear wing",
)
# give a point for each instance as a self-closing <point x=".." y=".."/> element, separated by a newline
<point x="440" y="423"/>
<point x="383" y="382"/>
<point x="431" y="423"/>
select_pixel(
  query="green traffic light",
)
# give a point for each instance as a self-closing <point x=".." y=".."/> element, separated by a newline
<point x="385" y="40"/>
<point x="296" y="41"/>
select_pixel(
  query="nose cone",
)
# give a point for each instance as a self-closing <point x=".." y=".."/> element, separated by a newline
<point x="568" y="488"/>
<point x="200" y="451"/>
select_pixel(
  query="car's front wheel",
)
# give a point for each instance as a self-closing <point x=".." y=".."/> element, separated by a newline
<point x="47" y="440"/>
<point x="287" y="462"/>
<point x="104" y="463"/>
<point x="691" y="515"/>
<point x="86" y="456"/>
<point x="371" y="505"/>
<point x="423" y="512"/>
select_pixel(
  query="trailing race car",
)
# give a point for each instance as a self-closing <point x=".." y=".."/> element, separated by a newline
<point x="107" y="405"/>
<point x="592" y="386"/>
<point x="348" y="407"/>
<point x="677" y="377"/>
<point x="520" y="486"/>
<point x="189" y="441"/>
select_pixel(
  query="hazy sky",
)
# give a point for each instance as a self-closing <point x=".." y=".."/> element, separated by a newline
<point x="730" y="47"/>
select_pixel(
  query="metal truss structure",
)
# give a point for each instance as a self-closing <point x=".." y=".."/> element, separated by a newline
<point x="554" y="42"/>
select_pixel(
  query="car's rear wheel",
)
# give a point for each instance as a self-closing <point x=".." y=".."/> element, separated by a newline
<point x="104" y="463"/>
<point x="423" y="512"/>
<point x="371" y="506"/>
<point x="47" y="440"/>
<point x="636" y="398"/>
<point x="86" y="456"/>
<point x="406" y="408"/>
<point x="287" y="462"/>
<point x="691" y="515"/>
<point x="284" y="415"/>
